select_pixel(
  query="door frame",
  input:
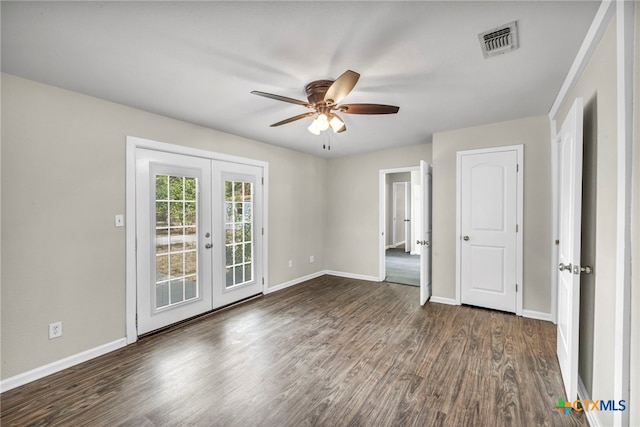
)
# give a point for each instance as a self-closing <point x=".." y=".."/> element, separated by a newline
<point x="133" y="143"/>
<point x="382" y="215"/>
<point x="519" y="218"/>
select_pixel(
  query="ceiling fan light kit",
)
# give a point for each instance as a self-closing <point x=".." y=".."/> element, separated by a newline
<point x="323" y="97"/>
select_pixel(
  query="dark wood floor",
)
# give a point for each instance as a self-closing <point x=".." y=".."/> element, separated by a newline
<point x="329" y="352"/>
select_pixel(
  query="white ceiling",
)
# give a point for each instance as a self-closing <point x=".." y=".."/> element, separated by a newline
<point x="199" y="61"/>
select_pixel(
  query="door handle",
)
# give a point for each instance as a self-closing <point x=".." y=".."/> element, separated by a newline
<point x="423" y="242"/>
<point x="465" y="238"/>
<point x="579" y="269"/>
<point x="563" y="267"/>
<point x="208" y="246"/>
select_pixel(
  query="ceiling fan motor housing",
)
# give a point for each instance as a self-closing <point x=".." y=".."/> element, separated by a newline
<point x="316" y="90"/>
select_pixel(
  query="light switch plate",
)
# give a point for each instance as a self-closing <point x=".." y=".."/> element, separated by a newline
<point x="119" y="220"/>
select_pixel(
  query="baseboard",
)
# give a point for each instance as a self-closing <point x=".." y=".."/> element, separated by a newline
<point x="352" y="275"/>
<point x="442" y="300"/>
<point x="293" y="282"/>
<point x="583" y="394"/>
<point x="532" y="314"/>
<point x="59" y="365"/>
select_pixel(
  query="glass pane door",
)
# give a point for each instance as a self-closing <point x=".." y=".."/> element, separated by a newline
<point x="238" y="223"/>
<point x="176" y="237"/>
<point x="173" y="227"/>
<point x="239" y="231"/>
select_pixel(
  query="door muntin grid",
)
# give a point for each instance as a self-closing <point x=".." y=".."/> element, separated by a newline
<point x="239" y="233"/>
<point x="176" y="240"/>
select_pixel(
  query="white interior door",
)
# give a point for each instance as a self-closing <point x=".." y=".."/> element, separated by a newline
<point x="425" y="227"/>
<point x="238" y="230"/>
<point x="570" y="218"/>
<point x="173" y="222"/>
<point x="398" y="213"/>
<point x="488" y="211"/>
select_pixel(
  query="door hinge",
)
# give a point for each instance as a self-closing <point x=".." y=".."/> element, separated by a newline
<point x="516" y="228"/>
<point x="263" y="280"/>
<point x="516" y="287"/>
<point x="263" y="231"/>
<point x="262" y="179"/>
<point x="517" y="167"/>
<point x="136" y="320"/>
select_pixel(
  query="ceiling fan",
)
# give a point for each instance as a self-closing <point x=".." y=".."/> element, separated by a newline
<point x="323" y="98"/>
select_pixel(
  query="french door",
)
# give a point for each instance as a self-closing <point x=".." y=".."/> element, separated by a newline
<point x="237" y="219"/>
<point x="196" y="230"/>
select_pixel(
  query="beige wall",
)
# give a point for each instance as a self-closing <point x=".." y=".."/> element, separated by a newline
<point x="352" y="195"/>
<point x="597" y="87"/>
<point x="63" y="180"/>
<point x="533" y="133"/>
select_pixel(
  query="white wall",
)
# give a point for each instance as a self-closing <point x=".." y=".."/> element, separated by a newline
<point x="63" y="180"/>
<point x="533" y="133"/>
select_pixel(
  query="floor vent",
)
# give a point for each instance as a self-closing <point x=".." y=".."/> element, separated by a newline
<point x="499" y="40"/>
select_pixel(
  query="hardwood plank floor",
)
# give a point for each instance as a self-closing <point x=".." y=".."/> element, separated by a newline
<point x="329" y="352"/>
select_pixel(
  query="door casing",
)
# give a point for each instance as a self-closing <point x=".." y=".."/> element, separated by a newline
<point x="519" y="149"/>
<point x="133" y="143"/>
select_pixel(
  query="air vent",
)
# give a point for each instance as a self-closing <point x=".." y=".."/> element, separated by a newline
<point x="499" y="40"/>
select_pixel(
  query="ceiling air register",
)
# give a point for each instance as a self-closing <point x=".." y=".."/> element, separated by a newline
<point x="499" y="40"/>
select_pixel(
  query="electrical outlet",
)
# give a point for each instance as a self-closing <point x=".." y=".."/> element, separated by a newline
<point x="312" y="259"/>
<point x="55" y="330"/>
<point x="290" y="263"/>
<point x="119" y="220"/>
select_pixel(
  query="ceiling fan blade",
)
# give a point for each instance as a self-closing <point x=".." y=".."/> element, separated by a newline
<point x="293" y="119"/>
<point x="341" y="87"/>
<point x="281" y="98"/>
<point x="368" y="109"/>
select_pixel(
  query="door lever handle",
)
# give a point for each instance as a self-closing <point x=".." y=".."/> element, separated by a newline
<point x="465" y="238"/>
<point x="208" y="246"/>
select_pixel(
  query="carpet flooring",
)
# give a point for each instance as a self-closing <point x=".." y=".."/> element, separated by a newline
<point x="402" y="267"/>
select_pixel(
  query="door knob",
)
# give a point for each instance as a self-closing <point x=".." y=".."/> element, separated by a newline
<point x="563" y="267"/>
<point x="208" y="246"/>
<point x="466" y="238"/>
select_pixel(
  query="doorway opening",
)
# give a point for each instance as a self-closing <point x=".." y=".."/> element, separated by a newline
<point x="400" y="201"/>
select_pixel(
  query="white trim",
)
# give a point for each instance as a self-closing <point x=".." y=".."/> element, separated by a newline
<point x="133" y="143"/>
<point x="352" y="275"/>
<point x="625" y="17"/>
<point x="591" y="40"/>
<point x="293" y="282"/>
<point x="519" y="149"/>
<point x="532" y="314"/>
<point x="443" y="300"/>
<point x="583" y="394"/>
<point x="59" y="365"/>
<point x="555" y="155"/>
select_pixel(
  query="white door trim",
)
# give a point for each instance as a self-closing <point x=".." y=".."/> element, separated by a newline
<point x="519" y="218"/>
<point x="625" y="46"/>
<point x="133" y="143"/>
